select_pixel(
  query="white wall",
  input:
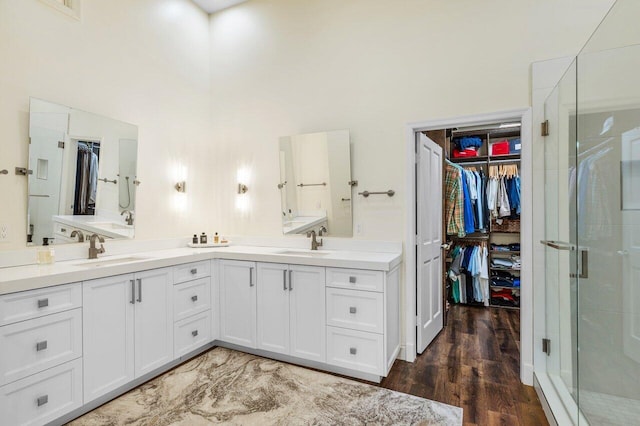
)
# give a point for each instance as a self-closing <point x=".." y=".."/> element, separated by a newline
<point x="284" y="67"/>
<point x="144" y="62"/>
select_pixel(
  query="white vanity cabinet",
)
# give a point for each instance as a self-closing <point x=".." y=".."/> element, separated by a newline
<point x="290" y="310"/>
<point x="128" y="328"/>
<point x="238" y="302"/>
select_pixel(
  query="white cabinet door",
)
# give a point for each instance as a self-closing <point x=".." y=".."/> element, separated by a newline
<point x="238" y="302"/>
<point x="108" y="339"/>
<point x="153" y="320"/>
<point x="273" y="308"/>
<point x="307" y="312"/>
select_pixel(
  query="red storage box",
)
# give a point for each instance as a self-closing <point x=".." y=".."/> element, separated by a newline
<point x="465" y="153"/>
<point x="500" y="148"/>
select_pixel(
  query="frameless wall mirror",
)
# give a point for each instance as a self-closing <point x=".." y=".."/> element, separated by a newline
<point x="315" y="183"/>
<point x="82" y="175"/>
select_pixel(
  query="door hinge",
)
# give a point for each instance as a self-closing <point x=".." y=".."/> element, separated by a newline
<point x="61" y="145"/>
<point x="544" y="128"/>
<point x="546" y="346"/>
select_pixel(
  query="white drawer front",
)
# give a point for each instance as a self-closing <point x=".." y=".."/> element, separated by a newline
<point x="43" y="397"/>
<point x="62" y="229"/>
<point x="191" y="271"/>
<point x="356" y="350"/>
<point x="358" y="310"/>
<point x="357" y="279"/>
<point x="25" y="305"/>
<point x="191" y="298"/>
<point x="191" y="333"/>
<point x="32" y="346"/>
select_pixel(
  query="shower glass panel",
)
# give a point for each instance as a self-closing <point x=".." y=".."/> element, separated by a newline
<point x="608" y="221"/>
<point x="561" y="242"/>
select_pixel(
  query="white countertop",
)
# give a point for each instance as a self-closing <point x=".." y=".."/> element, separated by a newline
<point x="29" y="277"/>
<point x="97" y="224"/>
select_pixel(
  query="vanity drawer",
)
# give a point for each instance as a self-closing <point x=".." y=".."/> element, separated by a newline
<point x="356" y="350"/>
<point x="358" y="310"/>
<point x="25" y="305"/>
<point x="357" y="279"/>
<point x="62" y="229"/>
<point x="32" y="346"/>
<point x="191" y="333"/>
<point x="191" y="271"/>
<point x="191" y="298"/>
<point x="43" y="397"/>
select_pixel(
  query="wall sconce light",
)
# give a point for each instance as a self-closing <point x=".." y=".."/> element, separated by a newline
<point x="181" y="186"/>
<point x="242" y="188"/>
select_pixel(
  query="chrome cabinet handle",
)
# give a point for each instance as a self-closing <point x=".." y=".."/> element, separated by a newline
<point x="284" y="279"/>
<point x="139" y="290"/>
<point x="194" y="271"/>
<point x="352" y="280"/>
<point x="42" y="400"/>
<point x="558" y="245"/>
<point x="352" y="310"/>
<point x="43" y="303"/>
<point x="63" y="230"/>
<point x="41" y="346"/>
<point x="290" y="280"/>
<point x="133" y="292"/>
<point x="251" y="284"/>
<point x="194" y="298"/>
<point x="194" y="333"/>
<point x="353" y="351"/>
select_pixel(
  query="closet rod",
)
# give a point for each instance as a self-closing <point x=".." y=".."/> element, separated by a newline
<point x="513" y="160"/>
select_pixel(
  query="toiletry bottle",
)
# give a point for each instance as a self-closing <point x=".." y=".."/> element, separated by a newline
<point x="203" y="238"/>
<point x="45" y="254"/>
<point x="195" y="239"/>
<point x="216" y="238"/>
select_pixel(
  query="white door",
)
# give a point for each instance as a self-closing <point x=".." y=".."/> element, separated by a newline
<point x="630" y="251"/>
<point x="108" y="339"/>
<point x="307" y="312"/>
<point x="45" y="160"/>
<point x="238" y="302"/>
<point x="153" y="320"/>
<point x="428" y="240"/>
<point x="273" y="308"/>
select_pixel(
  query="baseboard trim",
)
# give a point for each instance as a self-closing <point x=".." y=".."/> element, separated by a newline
<point x="526" y="374"/>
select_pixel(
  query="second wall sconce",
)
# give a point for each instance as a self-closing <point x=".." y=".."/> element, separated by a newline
<point x="242" y="188"/>
<point x="181" y="186"/>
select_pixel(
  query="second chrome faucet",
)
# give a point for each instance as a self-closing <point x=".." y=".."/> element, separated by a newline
<point x="93" y="250"/>
<point x="314" y="242"/>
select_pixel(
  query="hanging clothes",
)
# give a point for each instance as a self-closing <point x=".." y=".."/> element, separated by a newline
<point x="468" y="274"/>
<point x="454" y="205"/>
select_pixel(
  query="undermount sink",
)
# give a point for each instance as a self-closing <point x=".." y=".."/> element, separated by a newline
<point x="96" y="263"/>
<point x="311" y="253"/>
<point x="108" y="225"/>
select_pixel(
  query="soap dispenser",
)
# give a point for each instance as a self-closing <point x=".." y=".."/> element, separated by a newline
<point x="46" y="254"/>
<point x="203" y="238"/>
<point x="195" y="239"/>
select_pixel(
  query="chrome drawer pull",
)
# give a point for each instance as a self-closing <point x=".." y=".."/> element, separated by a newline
<point x="194" y="333"/>
<point x="251" y="284"/>
<point x="63" y="230"/>
<point x="284" y="279"/>
<point x="41" y="346"/>
<point x="194" y="298"/>
<point x="139" y="299"/>
<point x="42" y="400"/>
<point x="352" y="280"/>
<point x="133" y="292"/>
<point x="353" y="351"/>
<point x="352" y="310"/>
<point x="194" y="271"/>
<point x="43" y="303"/>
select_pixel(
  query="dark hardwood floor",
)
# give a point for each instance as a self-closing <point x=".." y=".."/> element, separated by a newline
<point x="474" y="363"/>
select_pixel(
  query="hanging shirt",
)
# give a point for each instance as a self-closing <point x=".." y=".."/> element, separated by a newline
<point x="492" y="196"/>
<point x="454" y="207"/>
<point x="503" y="200"/>
<point x="484" y="276"/>
<point x="479" y="202"/>
<point x="469" y="227"/>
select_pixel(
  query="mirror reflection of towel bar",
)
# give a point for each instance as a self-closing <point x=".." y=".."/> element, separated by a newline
<point x="105" y="180"/>
<point x="302" y="185"/>
<point x="390" y="193"/>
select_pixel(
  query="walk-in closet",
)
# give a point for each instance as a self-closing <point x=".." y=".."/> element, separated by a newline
<point x="481" y="215"/>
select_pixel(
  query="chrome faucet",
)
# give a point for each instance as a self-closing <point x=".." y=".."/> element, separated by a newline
<point x="314" y="243"/>
<point x="129" y="217"/>
<point x="93" y="251"/>
<point x="79" y="234"/>
<point x="322" y="231"/>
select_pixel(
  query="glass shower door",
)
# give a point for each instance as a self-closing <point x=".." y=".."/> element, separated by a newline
<point x="561" y="242"/>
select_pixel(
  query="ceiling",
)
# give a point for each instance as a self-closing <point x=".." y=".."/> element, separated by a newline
<point x="211" y="6"/>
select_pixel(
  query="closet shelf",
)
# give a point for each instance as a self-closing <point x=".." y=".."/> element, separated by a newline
<point x="504" y="269"/>
<point x="503" y="252"/>
<point x="505" y="286"/>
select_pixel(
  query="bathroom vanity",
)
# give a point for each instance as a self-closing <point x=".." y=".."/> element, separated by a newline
<point x="76" y="334"/>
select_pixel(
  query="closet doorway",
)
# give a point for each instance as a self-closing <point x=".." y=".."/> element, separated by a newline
<point x="466" y="225"/>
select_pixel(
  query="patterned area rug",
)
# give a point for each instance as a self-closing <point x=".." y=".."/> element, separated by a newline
<point x="229" y="387"/>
